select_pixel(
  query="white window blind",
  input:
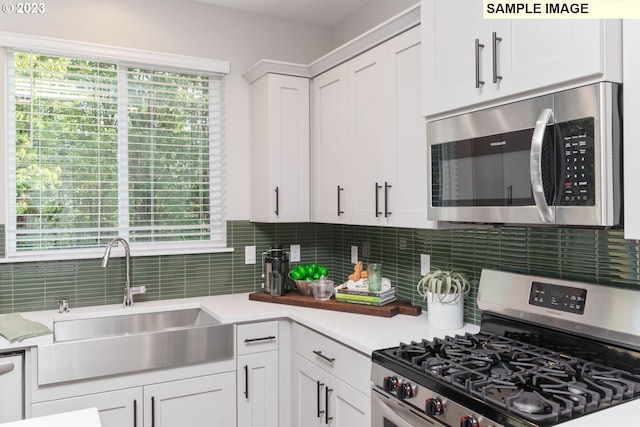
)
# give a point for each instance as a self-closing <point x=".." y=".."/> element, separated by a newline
<point x="98" y="149"/>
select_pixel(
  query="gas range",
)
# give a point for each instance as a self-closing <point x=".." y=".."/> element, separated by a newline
<point x="533" y="363"/>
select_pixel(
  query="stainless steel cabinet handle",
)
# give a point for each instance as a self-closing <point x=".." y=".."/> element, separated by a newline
<point x="377" y="187"/>
<point x="270" y="337"/>
<point x="6" y="367"/>
<point x="478" y="46"/>
<point x="535" y="165"/>
<point x="277" y="211"/>
<point x="319" y="386"/>
<point x="386" y="200"/>
<point x="246" y="381"/>
<point x="496" y="39"/>
<point x="328" y="359"/>
<point x="340" y="211"/>
<point x="327" y="418"/>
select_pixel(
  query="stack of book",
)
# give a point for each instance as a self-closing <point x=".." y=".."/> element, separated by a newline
<point x="366" y="297"/>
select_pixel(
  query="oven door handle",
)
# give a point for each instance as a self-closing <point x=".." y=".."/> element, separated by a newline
<point x="535" y="165"/>
<point x="382" y="408"/>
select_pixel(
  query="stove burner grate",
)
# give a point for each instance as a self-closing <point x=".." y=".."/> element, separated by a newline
<point x="537" y="384"/>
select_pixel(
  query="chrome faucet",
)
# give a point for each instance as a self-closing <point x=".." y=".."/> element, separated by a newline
<point x="129" y="291"/>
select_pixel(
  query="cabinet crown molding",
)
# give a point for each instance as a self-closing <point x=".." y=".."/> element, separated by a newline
<point x="395" y="25"/>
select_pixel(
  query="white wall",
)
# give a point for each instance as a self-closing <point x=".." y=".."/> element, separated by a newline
<point x="372" y="14"/>
<point x="188" y="28"/>
<point x="192" y="28"/>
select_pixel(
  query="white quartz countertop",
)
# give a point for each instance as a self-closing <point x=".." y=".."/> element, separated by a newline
<point x="364" y="333"/>
<point x="82" y="418"/>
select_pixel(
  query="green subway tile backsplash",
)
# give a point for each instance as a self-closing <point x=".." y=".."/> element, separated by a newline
<point x="596" y="256"/>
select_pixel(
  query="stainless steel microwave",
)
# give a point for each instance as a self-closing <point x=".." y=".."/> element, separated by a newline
<point x="554" y="159"/>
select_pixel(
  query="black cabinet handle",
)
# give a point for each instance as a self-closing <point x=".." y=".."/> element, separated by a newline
<point x="270" y="337"/>
<point x="246" y="381"/>
<point x="319" y="386"/>
<point x="386" y="200"/>
<point x="277" y="211"/>
<point x="377" y="187"/>
<point x="327" y="418"/>
<point x="328" y="359"/>
<point x="340" y="211"/>
<point x="478" y="47"/>
<point x="135" y="413"/>
<point x="153" y="411"/>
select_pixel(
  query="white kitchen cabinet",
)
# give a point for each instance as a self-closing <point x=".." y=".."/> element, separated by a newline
<point x="379" y="142"/>
<point x="119" y="408"/>
<point x="308" y="402"/>
<point x="631" y="132"/>
<point x="322" y="399"/>
<point x="468" y="60"/>
<point x="330" y="382"/>
<point x="329" y="147"/>
<point x="404" y="166"/>
<point x="280" y="149"/>
<point x="257" y="375"/>
<point x="365" y="135"/>
<point x="202" y="401"/>
<point x="347" y="406"/>
<point x="196" y="402"/>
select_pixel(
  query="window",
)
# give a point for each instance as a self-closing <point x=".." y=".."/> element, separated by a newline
<point x="104" y="148"/>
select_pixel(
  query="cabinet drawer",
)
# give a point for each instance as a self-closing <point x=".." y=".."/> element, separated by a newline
<point x="347" y="364"/>
<point x="255" y="337"/>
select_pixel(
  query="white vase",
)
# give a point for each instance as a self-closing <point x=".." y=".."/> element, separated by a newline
<point x="446" y="314"/>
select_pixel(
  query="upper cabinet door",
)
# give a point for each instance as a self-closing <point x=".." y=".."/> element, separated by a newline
<point x="631" y="135"/>
<point x="404" y="172"/>
<point x="365" y="124"/>
<point x="535" y="54"/>
<point x="456" y="69"/>
<point x="468" y="60"/>
<point x="280" y="149"/>
<point x="329" y="147"/>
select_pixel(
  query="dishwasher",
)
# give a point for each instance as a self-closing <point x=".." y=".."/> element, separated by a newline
<point x="11" y="386"/>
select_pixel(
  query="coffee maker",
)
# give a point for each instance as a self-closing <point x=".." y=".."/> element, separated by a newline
<point x="275" y="270"/>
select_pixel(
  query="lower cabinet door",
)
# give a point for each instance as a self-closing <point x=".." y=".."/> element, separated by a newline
<point x="321" y="399"/>
<point x="347" y="406"/>
<point x="308" y="394"/>
<point x="208" y="401"/>
<point x="257" y="389"/>
<point x="120" y="408"/>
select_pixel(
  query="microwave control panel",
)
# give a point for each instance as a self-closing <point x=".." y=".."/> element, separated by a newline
<point x="557" y="297"/>
<point x="578" y="175"/>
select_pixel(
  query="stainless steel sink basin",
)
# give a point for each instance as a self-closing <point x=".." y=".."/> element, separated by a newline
<point x="97" y="327"/>
<point x="127" y="342"/>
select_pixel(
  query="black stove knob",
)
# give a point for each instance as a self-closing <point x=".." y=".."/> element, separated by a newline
<point x="390" y="384"/>
<point x="433" y="406"/>
<point x="469" y="421"/>
<point x="405" y="391"/>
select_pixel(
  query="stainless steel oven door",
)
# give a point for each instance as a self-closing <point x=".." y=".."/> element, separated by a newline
<point x="387" y="411"/>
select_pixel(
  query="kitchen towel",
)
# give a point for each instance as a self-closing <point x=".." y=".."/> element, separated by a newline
<point x="14" y="327"/>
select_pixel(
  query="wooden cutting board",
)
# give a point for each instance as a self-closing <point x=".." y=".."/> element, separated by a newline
<point x="388" y="310"/>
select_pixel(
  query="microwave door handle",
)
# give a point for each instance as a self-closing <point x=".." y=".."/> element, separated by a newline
<point x="535" y="165"/>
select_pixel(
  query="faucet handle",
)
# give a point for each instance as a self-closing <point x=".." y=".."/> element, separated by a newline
<point x="63" y="306"/>
<point x="135" y="290"/>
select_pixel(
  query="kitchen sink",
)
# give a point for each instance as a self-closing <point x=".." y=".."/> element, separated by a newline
<point x="95" y="346"/>
<point x="97" y="327"/>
